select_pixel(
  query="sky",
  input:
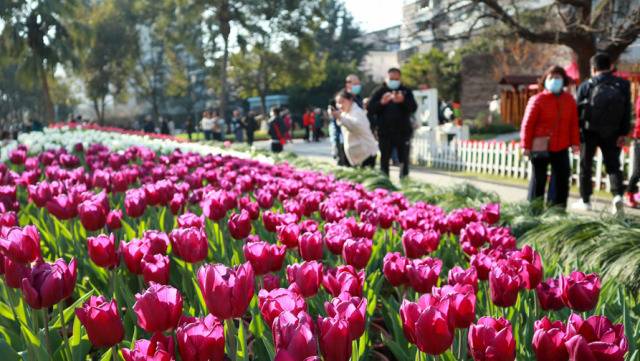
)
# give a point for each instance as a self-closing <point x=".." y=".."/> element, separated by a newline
<point x="374" y="15"/>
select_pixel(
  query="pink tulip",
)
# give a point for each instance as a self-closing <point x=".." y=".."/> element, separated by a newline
<point x="492" y="339"/>
<point x="305" y="277"/>
<point x="226" y="291"/>
<point x="159" y="348"/>
<point x="49" y="283"/>
<point x="273" y="303"/>
<point x="103" y="252"/>
<point x="423" y="273"/>
<point x="200" y="339"/>
<point x="22" y="245"/>
<point x="580" y="292"/>
<point x="417" y="243"/>
<point x="310" y="246"/>
<point x="548" y="341"/>
<point x="394" y="268"/>
<point x="264" y="257"/>
<point x="158" y="308"/>
<point x="351" y="309"/>
<point x="357" y="252"/>
<point x="595" y="338"/>
<point x="293" y="336"/>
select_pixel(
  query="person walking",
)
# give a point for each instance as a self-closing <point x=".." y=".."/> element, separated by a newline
<point x="308" y="119"/>
<point x="207" y="125"/>
<point x="189" y="127"/>
<point x="251" y="125"/>
<point x="360" y="147"/>
<point x="238" y="126"/>
<point x="277" y="131"/>
<point x="218" y="125"/>
<point x="164" y="126"/>
<point x="635" y="175"/>
<point x="549" y="128"/>
<point x="604" y="104"/>
<point x="393" y="105"/>
<point x="317" y="124"/>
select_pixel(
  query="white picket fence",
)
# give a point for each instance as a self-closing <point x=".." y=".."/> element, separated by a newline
<point x="502" y="159"/>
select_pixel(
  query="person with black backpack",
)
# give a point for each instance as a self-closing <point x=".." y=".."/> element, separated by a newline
<point x="604" y="106"/>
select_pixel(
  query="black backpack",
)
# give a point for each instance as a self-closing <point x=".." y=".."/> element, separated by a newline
<point x="606" y="107"/>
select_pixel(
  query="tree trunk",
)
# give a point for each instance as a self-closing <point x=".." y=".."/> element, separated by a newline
<point x="48" y="105"/>
<point x="583" y="57"/>
<point x="223" y="78"/>
<point x="96" y="108"/>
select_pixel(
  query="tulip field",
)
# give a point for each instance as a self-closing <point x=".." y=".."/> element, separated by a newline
<point x="118" y="246"/>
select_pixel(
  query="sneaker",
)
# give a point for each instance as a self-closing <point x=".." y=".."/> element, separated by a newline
<point x="631" y="200"/>
<point x="581" y="205"/>
<point x="617" y="206"/>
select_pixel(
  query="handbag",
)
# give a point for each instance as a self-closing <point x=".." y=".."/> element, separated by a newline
<point x="540" y="145"/>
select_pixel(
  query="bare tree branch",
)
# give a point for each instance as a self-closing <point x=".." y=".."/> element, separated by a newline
<point x="625" y="34"/>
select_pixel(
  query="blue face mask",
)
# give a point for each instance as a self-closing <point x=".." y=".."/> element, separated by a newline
<point x="554" y="85"/>
<point x="393" y="84"/>
<point x="356" y="89"/>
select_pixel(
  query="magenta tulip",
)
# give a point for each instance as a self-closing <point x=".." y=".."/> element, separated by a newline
<point x="305" y="277"/>
<point x="158" y="308"/>
<point x="101" y="320"/>
<point x="264" y="257"/>
<point x="200" y="339"/>
<point x="226" y="291"/>
<point x="548" y="341"/>
<point x="93" y="216"/>
<point x="273" y="303"/>
<point x="550" y="295"/>
<point x="103" y="252"/>
<point x="595" y="338"/>
<point x="505" y="284"/>
<point x="395" y="268"/>
<point x="21" y="245"/>
<point x="334" y="339"/>
<point x="343" y="279"/>
<point x="310" y="246"/>
<point x="580" y="292"/>
<point x="240" y="225"/>
<point x="423" y="273"/>
<point x="417" y="243"/>
<point x="159" y="348"/>
<point x="155" y="268"/>
<point x="428" y="326"/>
<point x="49" y="283"/>
<point x="492" y="339"/>
<point x="460" y="276"/>
<point x="293" y="336"/>
<point x="351" y="309"/>
<point x="189" y="244"/>
<point x="357" y="252"/>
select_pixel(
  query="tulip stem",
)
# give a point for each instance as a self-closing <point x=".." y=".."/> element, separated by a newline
<point x="65" y="337"/>
<point x="45" y="313"/>
<point x="114" y="352"/>
<point x="231" y="337"/>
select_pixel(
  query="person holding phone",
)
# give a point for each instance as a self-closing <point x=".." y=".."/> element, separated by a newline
<point x="360" y="146"/>
<point x="393" y="104"/>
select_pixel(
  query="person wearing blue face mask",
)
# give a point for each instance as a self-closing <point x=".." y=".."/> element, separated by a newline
<point x="549" y="129"/>
<point x="392" y="104"/>
<point x="352" y="85"/>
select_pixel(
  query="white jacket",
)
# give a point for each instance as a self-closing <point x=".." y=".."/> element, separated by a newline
<point x="359" y="143"/>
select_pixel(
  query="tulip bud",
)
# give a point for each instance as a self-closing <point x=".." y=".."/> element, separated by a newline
<point x="288" y="234"/>
<point x="343" y="279"/>
<point x="102" y="251"/>
<point x="273" y="303"/>
<point x="505" y="284"/>
<point x="548" y="341"/>
<point x="159" y="348"/>
<point x="394" y="268"/>
<point x="427" y="326"/>
<point x="293" y="336"/>
<point x="335" y="343"/>
<point x="423" y="273"/>
<point x="189" y="244"/>
<point x="155" y="268"/>
<point x="188" y="220"/>
<point x="357" y="252"/>
<point x="102" y="321"/>
<point x="460" y="276"/>
<point x="490" y="213"/>
<point x="226" y="291"/>
<point x="135" y="202"/>
<point x="550" y="295"/>
<point x="264" y="257"/>
<point x="306" y="277"/>
<point x="159" y="308"/>
<point x="492" y="339"/>
<point x="14" y="272"/>
<point x="310" y="246"/>
<point x="22" y="245"/>
<point x="580" y="292"/>
<point x="200" y="339"/>
<point x="417" y="243"/>
<point x="114" y="220"/>
<point x="49" y="283"/>
<point x="270" y="281"/>
<point x="240" y="225"/>
<point x="351" y="309"/>
<point x="92" y="215"/>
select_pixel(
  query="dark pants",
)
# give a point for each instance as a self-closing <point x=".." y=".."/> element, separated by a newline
<point x="342" y="157"/>
<point x="207" y="135"/>
<point x="316" y="134"/>
<point x="635" y="176"/>
<point x="218" y="136"/>
<point x="250" y="137"/>
<point x="560" y="173"/>
<point x="276" y="147"/>
<point x="402" y="143"/>
<point x="611" y="158"/>
<point x="307" y="132"/>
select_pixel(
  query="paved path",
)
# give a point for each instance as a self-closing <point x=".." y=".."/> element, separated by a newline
<point x="507" y="192"/>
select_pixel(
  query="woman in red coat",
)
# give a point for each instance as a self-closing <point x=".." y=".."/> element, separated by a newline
<point x="549" y="129"/>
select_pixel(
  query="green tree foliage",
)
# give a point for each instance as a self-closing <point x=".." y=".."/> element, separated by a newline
<point x="36" y="33"/>
<point x="110" y="53"/>
<point x="434" y="69"/>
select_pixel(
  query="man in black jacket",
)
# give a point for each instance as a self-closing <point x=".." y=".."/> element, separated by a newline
<point x="392" y="104"/>
<point x="604" y="105"/>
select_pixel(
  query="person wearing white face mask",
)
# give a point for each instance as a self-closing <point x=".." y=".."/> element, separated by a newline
<point x="392" y="104"/>
<point x="549" y="129"/>
<point x="360" y="146"/>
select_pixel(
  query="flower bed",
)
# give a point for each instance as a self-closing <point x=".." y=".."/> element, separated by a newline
<point x="140" y="248"/>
